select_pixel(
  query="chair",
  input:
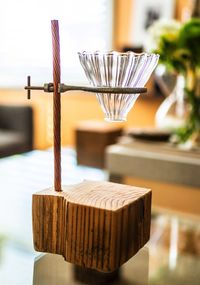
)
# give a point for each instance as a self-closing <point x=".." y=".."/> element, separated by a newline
<point x="16" y="129"/>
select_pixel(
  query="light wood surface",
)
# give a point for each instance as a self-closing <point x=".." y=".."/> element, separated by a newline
<point x="97" y="225"/>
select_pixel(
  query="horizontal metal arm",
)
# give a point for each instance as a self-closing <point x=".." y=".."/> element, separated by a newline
<point x="48" y="87"/>
<point x="116" y="90"/>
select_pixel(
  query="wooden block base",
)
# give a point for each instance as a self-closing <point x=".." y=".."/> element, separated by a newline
<point x="97" y="225"/>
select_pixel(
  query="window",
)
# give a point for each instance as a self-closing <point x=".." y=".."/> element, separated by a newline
<point x="26" y="45"/>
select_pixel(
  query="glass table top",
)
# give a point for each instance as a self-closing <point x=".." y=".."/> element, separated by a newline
<point x="171" y="257"/>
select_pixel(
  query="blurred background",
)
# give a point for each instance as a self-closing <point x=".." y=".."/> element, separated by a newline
<point x="101" y="25"/>
<point x="25" y="49"/>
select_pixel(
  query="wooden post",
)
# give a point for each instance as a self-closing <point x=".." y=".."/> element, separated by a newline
<point x="56" y="105"/>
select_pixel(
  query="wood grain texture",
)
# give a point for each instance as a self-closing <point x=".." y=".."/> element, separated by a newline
<point x="97" y="225"/>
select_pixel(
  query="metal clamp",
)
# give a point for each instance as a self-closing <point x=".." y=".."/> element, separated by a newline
<point x="49" y="88"/>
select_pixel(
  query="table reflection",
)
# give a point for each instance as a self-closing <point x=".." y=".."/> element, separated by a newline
<point x="174" y="250"/>
<point x="52" y="269"/>
<point x="172" y="256"/>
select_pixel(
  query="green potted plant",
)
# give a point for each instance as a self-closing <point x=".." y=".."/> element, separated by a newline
<point x="179" y="50"/>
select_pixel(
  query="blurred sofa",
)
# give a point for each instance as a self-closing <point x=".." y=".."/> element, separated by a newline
<point x="16" y="129"/>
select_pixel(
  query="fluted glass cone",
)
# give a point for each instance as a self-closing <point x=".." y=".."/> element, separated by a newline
<point x="115" y="69"/>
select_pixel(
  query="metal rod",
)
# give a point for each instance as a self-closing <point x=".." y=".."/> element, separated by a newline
<point x="56" y="105"/>
<point x="64" y="88"/>
<point x="34" y="87"/>
<point x="114" y="90"/>
<point x="29" y="84"/>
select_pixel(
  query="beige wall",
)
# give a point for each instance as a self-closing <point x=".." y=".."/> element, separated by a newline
<point x="75" y="107"/>
<point x="184" y="9"/>
<point x="122" y="24"/>
<point x="123" y="21"/>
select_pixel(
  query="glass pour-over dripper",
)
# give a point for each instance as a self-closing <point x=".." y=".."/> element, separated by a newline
<point x="116" y="69"/>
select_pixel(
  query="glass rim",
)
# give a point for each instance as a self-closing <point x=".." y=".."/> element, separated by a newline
<point x="118" y="53"/>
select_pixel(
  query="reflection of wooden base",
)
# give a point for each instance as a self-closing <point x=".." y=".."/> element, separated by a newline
<point x="94" y="277"/>
<point x="97" y="225"/>
<point x="51" y="269"/>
